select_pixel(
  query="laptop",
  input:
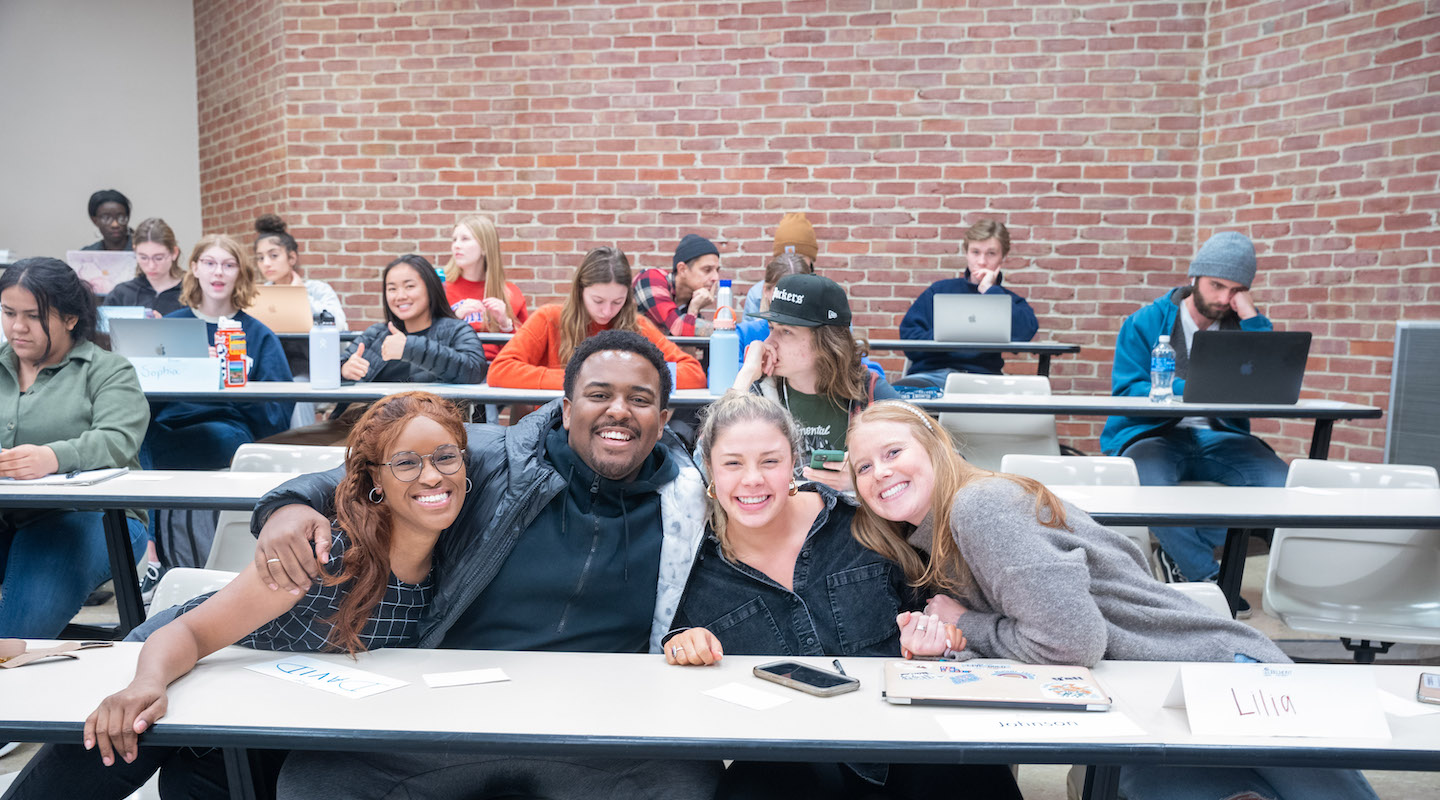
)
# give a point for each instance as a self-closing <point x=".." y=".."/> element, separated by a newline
<point x="170" y="338"/>
<point x="102" y="270"/>
<point x="1246" y="366"/>
<point x="964" y="683"/>
<point x="108" y="313"/>
<point x="972" y="317"/>
<point x="283" y="309"/>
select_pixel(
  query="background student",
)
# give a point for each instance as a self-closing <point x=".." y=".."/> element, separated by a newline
<point x="73" y="406"/>
<point x="681" y="302"/>
<point x="185" y="435"/>
<point x="794" y="236"/>
<point x="278" y="257"/>
<point x="475" y="281"/>
<point x="158" y="272"/>
<point x="1032" y="578"/>
<point x="110" y="214"/>
<point x="772" y="547"/>
<point x="810" y="364"/>
<point x="420" y="339"/>
<point x="371" y="593"/>
<point x="600" y="299"/>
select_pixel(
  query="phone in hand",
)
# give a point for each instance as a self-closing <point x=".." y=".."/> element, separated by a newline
<point x="807" y="679"/>
<point x="819" y="457"/>
<point x="1429" y="689"/>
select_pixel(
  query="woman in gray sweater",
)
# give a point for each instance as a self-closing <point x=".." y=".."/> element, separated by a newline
<point x="1029" y="577"/>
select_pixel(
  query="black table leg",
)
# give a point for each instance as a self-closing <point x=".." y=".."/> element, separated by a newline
<point x="122" y="572"/>
<point x="1102" y="782"/>
<point x="1232" y="565"/>
<point x="238" y="775"/>
<point x="1320" y="439"/>
<point x="1044" y="368"/>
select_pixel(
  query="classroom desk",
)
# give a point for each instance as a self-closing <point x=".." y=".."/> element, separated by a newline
<point x="1242" y="510"/>
<point x="235" y="491"/>
<point x="636" y="706"/>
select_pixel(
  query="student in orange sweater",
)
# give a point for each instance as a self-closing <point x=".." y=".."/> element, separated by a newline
<point x="600" y="299"/>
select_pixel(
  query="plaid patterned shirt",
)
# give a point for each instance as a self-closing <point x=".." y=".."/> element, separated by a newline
<point x="394" y="622"/>
<point x="655" y="297"/>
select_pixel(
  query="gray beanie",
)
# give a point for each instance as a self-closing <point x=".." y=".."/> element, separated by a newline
<point x="1227" y="255"/>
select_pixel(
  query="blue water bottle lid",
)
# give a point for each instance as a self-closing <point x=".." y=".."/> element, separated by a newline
<point x="724" y="283"/>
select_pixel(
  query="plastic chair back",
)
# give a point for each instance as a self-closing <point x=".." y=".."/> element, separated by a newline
<point x="984" y="439"/>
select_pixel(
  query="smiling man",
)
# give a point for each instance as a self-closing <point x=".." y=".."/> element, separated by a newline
<point x="577" y="533"/>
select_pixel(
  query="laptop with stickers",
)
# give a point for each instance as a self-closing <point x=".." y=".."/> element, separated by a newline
<point x="991" y="685"/>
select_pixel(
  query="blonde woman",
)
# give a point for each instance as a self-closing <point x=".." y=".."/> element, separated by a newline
<point x="600" y="300"/>
<point x="1029" y="577"/>
<point x="158" y="271"/>
<point x="475" y="282"/>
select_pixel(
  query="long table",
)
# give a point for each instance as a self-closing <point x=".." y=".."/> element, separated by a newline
<point x="1324" y="412"/>
<point x="1242" y="510"/>
<point x="635" y="706"/>
<point x="225" y="491"/>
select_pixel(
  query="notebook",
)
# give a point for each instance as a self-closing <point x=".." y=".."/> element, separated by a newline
<point x="964" y="683"/>
<point x="1246" y="366"/>
<point x="972" y="317"/>
<point x="102" y="270"/>
<point x="283" y="309"/>
<point x="172" y="338"/>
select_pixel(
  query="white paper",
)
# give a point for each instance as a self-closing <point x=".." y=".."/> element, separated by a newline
<point x="984" y="724"/>
<point x="436" y="680"/>
<point x="1332" y="700"/>
<point x="746" y="696"/>
<point x="87" y="477"/>
<point x="1402" y="707"/>
<point x="340" y="679"/>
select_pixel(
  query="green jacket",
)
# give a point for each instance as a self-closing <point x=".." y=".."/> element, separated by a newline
<point x="88" y="408"/>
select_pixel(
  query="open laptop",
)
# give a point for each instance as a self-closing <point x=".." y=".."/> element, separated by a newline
<point x="108" y="313"/>
<point x="972" y="317"/>
<point x="1246" y="366"/>
<point x="283" y="309"/>
<point x="172" y="338"/>
<point x="965" y="683"/>
<point x="102" y="270"/>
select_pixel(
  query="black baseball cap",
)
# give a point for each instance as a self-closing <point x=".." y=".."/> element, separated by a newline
<point x="808" y="301"/>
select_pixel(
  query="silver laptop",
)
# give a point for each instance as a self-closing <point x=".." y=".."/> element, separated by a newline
<point x="171" y="338"/>
<point x="108" y="313"/>
<point x="952" y="683"/>
<point x="972" y="317"/>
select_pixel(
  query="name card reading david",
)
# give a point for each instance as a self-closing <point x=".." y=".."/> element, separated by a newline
<point x="1282" y="700"/>
<point x="315" y="673"/>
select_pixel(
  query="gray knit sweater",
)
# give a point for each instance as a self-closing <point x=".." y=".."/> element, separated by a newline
<point x="1054" y="596"/>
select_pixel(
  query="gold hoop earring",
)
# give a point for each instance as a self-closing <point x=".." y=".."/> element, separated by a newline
<point x="710" y="491"/>
<point x="794" y="487"/>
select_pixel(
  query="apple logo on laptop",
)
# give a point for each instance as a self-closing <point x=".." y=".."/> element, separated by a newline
<point x="1247" y="368"/>
<point x="972" y="318"/>
<point x="159" y="349"/>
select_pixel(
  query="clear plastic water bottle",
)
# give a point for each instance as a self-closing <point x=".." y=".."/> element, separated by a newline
<point x="1162" y="372"/>
<point x="324" y="353"/>
<point x="725" y="298"/>
<point x="724" y="349"/>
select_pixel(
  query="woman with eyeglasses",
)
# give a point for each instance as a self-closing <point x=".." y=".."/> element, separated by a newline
<point x="158" y="272"/>
<point x="110" y="214"/>
<point x="404" y="485"/>
<point x="219" y="282"/>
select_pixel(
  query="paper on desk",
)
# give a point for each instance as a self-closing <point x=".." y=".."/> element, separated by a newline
<point x="437" y="680"/>
<point x="315" y="673"/>
<point x="1405" y="707"/>
<point x="746" y="696"/>
<point x="1337" y="700"/>
<point x="981" y="724"/>
<point x="87" y="477"/>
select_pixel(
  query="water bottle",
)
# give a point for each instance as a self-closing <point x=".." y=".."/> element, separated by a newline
<point x="724" y="348"/>
<point x="324" y="352"/>
<point x="230" y="347"/>
<point x="726" y="298"/>
<point x="1162" y="372"/>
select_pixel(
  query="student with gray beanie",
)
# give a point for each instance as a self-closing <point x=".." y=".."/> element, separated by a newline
<point x="1167" y="451"/>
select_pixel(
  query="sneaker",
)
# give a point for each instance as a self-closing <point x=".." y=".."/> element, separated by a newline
<point x="1242" y="609"/>
<point x="6" y="748"/>
<point x="149" y="581"/>
<point x="1169" y="570"/>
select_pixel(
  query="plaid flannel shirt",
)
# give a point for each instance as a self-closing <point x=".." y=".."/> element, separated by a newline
<point x="655" y="296"/>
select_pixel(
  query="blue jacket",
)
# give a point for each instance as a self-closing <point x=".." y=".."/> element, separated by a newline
<point x="269" y="364"/>
<point x="919" y="323"/>
<point x="1130" y="377"/>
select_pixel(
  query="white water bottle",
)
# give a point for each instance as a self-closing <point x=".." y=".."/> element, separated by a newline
<point x="324" y="353"/>
<point x="725" y="298"/>
<point x="1162" y="372"/>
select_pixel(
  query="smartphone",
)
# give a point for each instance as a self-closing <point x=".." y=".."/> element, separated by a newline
<point x="810" y="680"/>
<point x="819" y="457"/>
<point x="1429" y="690"/>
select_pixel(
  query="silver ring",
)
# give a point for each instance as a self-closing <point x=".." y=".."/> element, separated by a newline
<point x="922" y="624"/>
<point x="677" y="650"/>
<point x="272" y="561"/>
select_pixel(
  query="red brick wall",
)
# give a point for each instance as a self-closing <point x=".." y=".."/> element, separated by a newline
<point x="1110" y="136"/>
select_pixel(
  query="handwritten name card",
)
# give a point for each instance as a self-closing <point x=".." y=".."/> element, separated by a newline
<point x="1283" y="700"/>
<point x="317" y="673"/>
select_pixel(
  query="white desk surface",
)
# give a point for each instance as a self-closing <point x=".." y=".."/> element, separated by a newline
<point x="151" y="488"/>
<point x="636" y="704"/>
<point x="1257" y="507"/>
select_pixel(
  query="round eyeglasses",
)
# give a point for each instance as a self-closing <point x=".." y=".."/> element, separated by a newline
<point x="406" y="466"/>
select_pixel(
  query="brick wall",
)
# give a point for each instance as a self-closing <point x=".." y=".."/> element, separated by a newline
<point x="1110" y="136"/>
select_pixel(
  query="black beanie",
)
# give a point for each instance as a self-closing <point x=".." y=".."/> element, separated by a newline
<point x="692" y="247"/>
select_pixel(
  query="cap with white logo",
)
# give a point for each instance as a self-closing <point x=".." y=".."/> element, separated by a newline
<point x="807" y="300"/>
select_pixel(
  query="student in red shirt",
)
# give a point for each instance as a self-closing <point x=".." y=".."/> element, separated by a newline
<point x="475" y="282"/>
<point x="600" y="299"/>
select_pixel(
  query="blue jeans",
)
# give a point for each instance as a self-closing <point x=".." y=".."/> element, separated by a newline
<point x="1202" y="454"/>
<point x="1215" y="783"/>
<point x="50" y="564"/>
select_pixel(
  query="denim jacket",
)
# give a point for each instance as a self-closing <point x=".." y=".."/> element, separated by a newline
<point x="844" y="602"/>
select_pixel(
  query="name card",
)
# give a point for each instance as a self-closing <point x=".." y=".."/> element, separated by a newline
<point x="1333" y="700"/>
<point x="985" y="724"/>
<point x="341" y="679"/>
<point x="159" y="372"/>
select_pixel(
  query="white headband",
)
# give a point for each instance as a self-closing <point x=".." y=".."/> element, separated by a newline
<point x="912" y="409"/>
